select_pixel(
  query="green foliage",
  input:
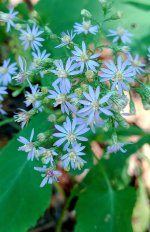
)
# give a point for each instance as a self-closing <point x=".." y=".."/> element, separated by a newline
<point x="63" y="17"/>
<point x="105" y="200"/>
<point x="116" y="165"/>
<point x="22" y="202"/>
<point x="139" y="26"/>
<point x="101" y="207"/>
<point x="141" y="6"/>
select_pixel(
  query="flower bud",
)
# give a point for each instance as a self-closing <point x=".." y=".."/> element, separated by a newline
<point x="44" y="90"/>
<point x="103" y="4"/>
<point x="120" y="120"/>
<point x="53" y="37"/>
<point x="117" y="15"/>
<point x="125" y="49"/>
<point x="117" y="102"/>
<point x="46" y="100"/>
<point x="89" y="75"/>
<point x="86" y="13"/>
<point x="34" y="14"/>
<point x="78" y="91"/>
<point x="52" y="118"/>
<point x="84" y="87"/>
<point x="41" y="137"/>
<point x="18" y="26"/>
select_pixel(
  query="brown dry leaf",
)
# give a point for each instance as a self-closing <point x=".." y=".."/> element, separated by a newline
<point x="142" y="116"/>
<point x="80" y="177"/>
<point x="146" y="166"/>
<point x="133" y="164"/>
<point x="97" y="150"/>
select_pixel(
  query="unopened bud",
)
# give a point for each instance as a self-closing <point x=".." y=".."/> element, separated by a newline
<point x="18" y="26"/>
<point x="117" y="102"/>
<point x="125" y="49"/>
<point x="52" y="118"/>
<point x="46" y="100"/>
<point x="53" y="37"/>
<point x="44" y="90"/>
<point x="89" y="75"/>
<point x="121" y="121"/>
<point x="103" y="4"/>
<point x="78" y="91"/>
<point x="84" y="87"/>
<point x="117" y="15"/>
<point x="34" y="14"/>
<point x="86" y="13"/>
<point x="41" y="137"/>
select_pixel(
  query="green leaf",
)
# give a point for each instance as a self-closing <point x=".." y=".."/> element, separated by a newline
<point x="139" y="5"/>
<point x="102" y="208"/>
<point x="22" y="201"/>
<point x="23" y="10"/>
<point x="117" y="165"/>
<point x="62" y="18"/>
<point x="139" y="26"/>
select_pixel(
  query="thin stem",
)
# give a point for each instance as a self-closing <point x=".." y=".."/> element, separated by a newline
<point x="6" y="121"/>
<point x="60" y="221"/>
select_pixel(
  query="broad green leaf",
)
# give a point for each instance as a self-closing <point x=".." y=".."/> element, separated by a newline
<point x="102" y="208"/>
<point x="22" y="201"/>
<point x="139" y="5"/>
<point x="139" y="26"/>
<point x="61" y="15"/>
<point x="117" y="165"/>
<point x="23" y="10"/>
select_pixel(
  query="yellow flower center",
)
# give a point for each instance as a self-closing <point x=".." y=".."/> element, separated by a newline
<point x="66" y="39"/>
<point x="31" y="98"/>
<point x="72" y="156"/>
<point x="30" y="37"/>
<point x="48" y="154"/>
<point x="28" y="147"/>
<point x="95" y="105"/>
<point x="120" y="31"/>
<point x="49" y="173"/>
<point x="3" y="70"/>
<point x="71" y="137"/>
<point x="61" y="98"/>
<point x="62" y="73"/>
<point x="84" y="57"/>
<point x="119" y="75"/>
<point x="86" y="24"/>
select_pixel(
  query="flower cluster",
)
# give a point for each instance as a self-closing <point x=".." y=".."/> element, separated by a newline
<point x="83" y="92"/>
